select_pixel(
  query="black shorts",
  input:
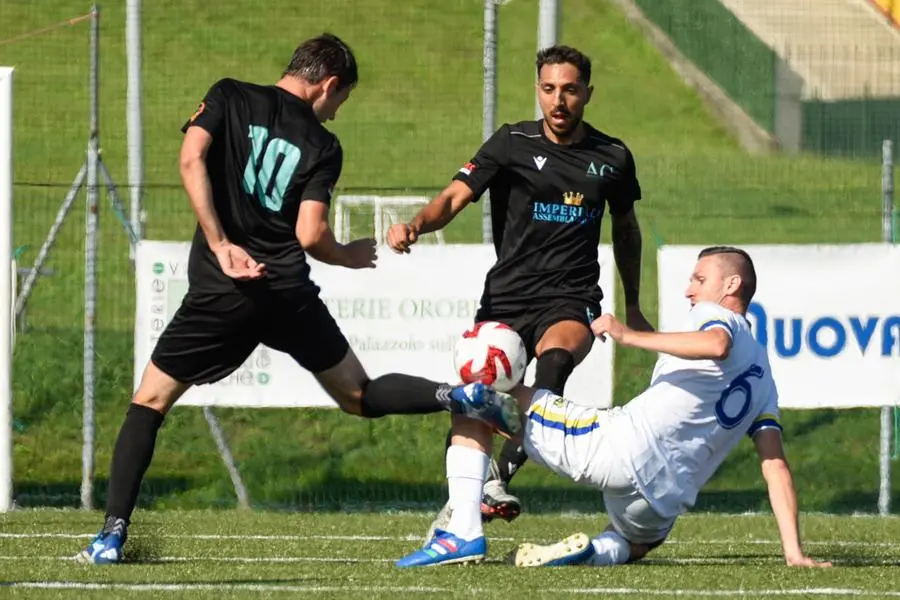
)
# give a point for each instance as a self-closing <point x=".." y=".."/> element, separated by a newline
<point x="211" y="335"/>
<point x="532" y="321"/>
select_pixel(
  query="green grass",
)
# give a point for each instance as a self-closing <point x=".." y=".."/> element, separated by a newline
<point x="414" y="119"/>
<point x="333" y="555"/>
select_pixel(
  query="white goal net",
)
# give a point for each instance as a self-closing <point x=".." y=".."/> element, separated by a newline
<point x="372" y="216"/>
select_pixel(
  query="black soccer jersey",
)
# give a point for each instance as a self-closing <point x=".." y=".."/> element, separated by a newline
<point x="268" y="153"/>
<point x="547" y="201"/>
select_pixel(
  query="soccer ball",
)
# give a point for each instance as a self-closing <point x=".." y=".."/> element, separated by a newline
<point x="492" y="353"/>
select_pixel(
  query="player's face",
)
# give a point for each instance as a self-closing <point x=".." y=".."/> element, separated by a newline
<point x="562" y="96"/>
<point x="330" y="101"/>
<point x="709" y="282"/>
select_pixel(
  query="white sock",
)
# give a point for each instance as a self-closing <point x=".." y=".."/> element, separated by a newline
<point x="466" y="472"/>
<point x="610" y="549"/>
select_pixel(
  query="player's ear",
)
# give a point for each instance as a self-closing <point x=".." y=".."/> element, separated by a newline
<point x="733" y="284"/>
<point x="331" y="85"/>
<point x="590" y="92"/>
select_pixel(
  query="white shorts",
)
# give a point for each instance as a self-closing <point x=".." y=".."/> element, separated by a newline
<point x="571" y="440"/>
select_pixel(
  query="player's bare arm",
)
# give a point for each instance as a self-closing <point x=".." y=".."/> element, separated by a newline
<point x="782" y="497"/>
<point x="234" y="260"/>
<point x="627" y="244"/>
<point x="713" y="344"/>
<point x="317" y="239"/>
<point x="434" y="216"/>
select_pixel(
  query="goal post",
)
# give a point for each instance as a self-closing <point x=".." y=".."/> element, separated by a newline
<point x="367" y="215"/>
<point x="7" y="280"/>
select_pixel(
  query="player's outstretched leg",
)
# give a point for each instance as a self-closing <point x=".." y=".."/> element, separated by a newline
<point x="131" y="458"/>
<point x="497" y="409"/>
<point x="400" y="394"/>
<point x="575" y="549"/>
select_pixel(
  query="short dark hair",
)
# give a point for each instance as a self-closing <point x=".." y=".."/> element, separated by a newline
<point x="320" y="57"/>
<point x="557" y="55"/>
<point x="739" y="263"/>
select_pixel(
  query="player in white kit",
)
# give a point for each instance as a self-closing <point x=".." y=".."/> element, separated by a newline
<point x="711" y="386"/>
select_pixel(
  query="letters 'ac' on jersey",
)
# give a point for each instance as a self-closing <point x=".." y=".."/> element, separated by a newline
<point x="547" y="201"/>
<point x="268" y="153"/>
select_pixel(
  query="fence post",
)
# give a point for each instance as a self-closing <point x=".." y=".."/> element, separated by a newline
<point x="134" y="117"/>
<point x="887" y="209"/>
<point x="489" y="104"/>
<point x="7" y="295"/>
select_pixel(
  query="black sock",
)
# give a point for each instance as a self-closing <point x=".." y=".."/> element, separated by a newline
<point x="512" y="457"/>
<point x="131" y="457"/>
<point x="553" y="369"/>
<point x="397" y="394"/>
<point x="116" y="525"/>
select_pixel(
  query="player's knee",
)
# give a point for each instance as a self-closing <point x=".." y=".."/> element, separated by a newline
<point x="158" y="391"/>
<point x="150" y="399"/>
<point x="350" y="402"/>
<point x="355" y="402"/>
<point x="553" y="369"/>
<point x="349" y="398"/>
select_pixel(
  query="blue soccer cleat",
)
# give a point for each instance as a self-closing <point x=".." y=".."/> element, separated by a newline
<point x="497" y="409"/>
<point x="446" y="549"/>
<point x="107" y="547"/>
<point x="574" y="550"/>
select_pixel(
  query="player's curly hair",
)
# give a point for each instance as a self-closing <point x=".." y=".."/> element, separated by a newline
<point x="738" y="262"/>
<point x="321" y="57"/>
<point x="557" y="55"/>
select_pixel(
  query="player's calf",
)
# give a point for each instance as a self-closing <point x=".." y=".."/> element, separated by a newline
<point x="553" y="369"/>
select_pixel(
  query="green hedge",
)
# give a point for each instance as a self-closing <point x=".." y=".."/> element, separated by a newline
<point x="718" y="43"/>
<point x="850" y="127"/>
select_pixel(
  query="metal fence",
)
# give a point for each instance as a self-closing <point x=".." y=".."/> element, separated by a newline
<point x="428" y="77"/>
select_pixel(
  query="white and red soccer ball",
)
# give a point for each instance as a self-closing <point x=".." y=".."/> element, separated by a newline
<point x="492" y="353"/>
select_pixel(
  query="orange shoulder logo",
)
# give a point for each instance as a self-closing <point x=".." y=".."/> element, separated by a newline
<point x="198" y="112"/>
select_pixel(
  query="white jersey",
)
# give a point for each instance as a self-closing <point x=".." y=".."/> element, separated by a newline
<point x="675" y="435"/>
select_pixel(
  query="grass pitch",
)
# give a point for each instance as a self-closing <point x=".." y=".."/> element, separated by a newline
<point x="225" y="554"/>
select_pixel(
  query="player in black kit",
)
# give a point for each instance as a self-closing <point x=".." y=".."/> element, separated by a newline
<point x="550" y="181"/>
<point x="259" y="169"/>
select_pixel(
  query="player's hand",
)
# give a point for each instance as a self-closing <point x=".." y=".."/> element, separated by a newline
<point x="802" y="560"/>
<point x="360" y="254"/>
<point x="636" y="320"/>
<point x="237" y="263"/>
<point x="608" y="325"/>
<point x="400" y="237"/>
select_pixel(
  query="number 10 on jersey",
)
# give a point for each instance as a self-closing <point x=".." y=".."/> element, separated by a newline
<point x="270" y="166"/>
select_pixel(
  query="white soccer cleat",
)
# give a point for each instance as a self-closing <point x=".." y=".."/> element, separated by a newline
<point x="574" y="550"/>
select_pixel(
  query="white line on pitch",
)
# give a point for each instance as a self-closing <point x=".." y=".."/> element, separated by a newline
<point x="299" y="589"/>
<point x="224" y="559"/>
<point x="415" y="538"/>
<point x="707" y="560"/>
<point x="258" y="537"/>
